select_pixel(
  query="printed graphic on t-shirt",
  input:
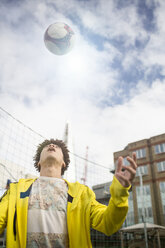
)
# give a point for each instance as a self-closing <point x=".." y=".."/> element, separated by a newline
<point x="47" y="221"/>
<point x="42" y="240"/>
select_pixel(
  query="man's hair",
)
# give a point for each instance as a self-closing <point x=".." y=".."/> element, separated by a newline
<point x="57" y="142"/>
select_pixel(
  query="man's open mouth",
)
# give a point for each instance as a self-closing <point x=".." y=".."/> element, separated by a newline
<point x="51" y="150"/>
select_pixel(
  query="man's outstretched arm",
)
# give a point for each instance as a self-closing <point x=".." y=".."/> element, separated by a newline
<point x="108" y="219"/>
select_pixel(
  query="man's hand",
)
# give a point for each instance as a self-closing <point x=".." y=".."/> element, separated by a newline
<point x="126" y="177"/>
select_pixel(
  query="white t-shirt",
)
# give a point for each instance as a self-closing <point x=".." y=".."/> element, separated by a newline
<point x="2" y="191"/>
<point x="47" y="208"/>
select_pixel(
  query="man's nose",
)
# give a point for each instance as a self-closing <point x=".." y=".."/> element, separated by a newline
<point x="51" y="145"/>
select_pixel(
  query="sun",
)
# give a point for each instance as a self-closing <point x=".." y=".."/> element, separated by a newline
<point x="76" y="63"/>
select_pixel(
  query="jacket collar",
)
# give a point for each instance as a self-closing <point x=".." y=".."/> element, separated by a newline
<point x="74" y="189"/>
<point x="22" y="209"/>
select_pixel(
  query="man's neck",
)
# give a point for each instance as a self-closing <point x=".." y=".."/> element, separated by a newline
<point x="50" y="171"/>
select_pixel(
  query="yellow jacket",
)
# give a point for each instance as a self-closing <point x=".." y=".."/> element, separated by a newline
<point x="83" y="212"/>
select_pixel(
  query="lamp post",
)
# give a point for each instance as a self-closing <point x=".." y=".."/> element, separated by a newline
<point x="143" y="211"/>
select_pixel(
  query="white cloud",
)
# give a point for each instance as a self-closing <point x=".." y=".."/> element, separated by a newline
<point x="111" y="22"/>
<point x="71" y="87"/>
<point x="154" y="52"/>
<point x="103" y="130"/>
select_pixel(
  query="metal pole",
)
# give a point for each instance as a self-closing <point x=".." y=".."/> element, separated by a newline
<point x="86" y="165"/>
<point x="158" y="236"/>
<point x="122" y="241"/>
<point x="143" y="212"/>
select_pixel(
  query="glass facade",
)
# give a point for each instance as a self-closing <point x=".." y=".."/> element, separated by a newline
<point x="130" y="216"/>
<point x="141" y="153"/>
<point x="160" y="148"/>
<point x="143" y="170"/>
<point x="144" y="199"/>
<point x="125" y="161"/>
<point x="161" y="166"/>
<point x="162" y="192"/>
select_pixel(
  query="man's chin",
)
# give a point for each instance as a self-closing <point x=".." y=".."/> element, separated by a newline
<point x="51" y="157"/>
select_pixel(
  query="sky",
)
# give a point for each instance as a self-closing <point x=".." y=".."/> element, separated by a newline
<point x="110" y="87"/>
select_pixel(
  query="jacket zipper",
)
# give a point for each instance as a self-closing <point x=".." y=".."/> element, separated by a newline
<point x="14" y="224"/>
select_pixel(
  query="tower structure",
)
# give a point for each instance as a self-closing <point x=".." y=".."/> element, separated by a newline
<point x="70" y="173"/>
<point x="84" y="179"/>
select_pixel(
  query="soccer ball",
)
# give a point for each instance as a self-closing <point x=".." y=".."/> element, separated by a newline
<point x="59" y="38"/>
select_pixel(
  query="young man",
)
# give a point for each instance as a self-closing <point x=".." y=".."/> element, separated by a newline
<point x="51" y="212"/>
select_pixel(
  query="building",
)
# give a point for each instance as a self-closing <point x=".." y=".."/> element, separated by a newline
<point x="151" y="167"/>
<point x="99" y="239"/>
<point x="147" y="194"/>
<point x="102" y="192"/>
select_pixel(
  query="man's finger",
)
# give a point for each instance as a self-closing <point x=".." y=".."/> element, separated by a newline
<point x="134" y="156"/>
<point x="132" y="162"/>
<point x="119" y="164"/>
<point x="131" y="170"/>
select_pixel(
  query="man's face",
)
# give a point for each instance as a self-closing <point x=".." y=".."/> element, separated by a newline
<point x="52" y="152"/>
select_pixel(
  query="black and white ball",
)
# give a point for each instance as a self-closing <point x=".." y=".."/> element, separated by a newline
<point x="59" y="38"/>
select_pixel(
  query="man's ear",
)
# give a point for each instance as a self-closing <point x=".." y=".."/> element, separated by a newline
<point x="39" y="166"/>
<point x="63" y="165"/>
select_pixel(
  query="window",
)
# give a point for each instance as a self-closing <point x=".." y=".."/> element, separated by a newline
<point x="162" y="191"/>
<point x="130" y="216"/>
<point x="161" y="166"/>
<point x="162" y="187"/>
<point x="125" y="161"/>
<point x="160" y="148"/>
<point x="144" y="199"/>
<point x="141" y="153"/>
<point x="143" y="170"/>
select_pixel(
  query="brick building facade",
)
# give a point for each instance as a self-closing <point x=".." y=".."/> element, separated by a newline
<point x="151" y="165"/>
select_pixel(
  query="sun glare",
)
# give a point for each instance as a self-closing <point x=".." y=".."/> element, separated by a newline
<point x="76" y="63"/>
